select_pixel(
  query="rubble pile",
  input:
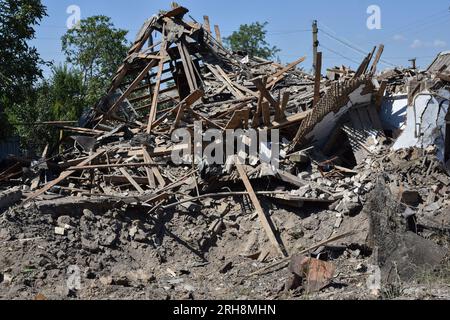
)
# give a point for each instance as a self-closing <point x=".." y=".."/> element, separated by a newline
<point x="115" y="205"/>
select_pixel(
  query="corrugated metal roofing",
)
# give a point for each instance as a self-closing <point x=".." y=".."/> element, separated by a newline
<point x="443" y="59"/>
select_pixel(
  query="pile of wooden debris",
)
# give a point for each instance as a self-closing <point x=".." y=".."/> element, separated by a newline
<point x="122" y="150"/>
<point x="334" y="136"/>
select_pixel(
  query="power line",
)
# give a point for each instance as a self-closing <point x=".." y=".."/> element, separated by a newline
<point x="353" y="46"/>
<point x="408" y="26"/>
<point x="344" y="43"/>
<point x="431" y="24"/>
<point x="280" y="32"/>
<point x="339" y="54"/>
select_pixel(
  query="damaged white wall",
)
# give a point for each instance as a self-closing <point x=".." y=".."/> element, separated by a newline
<point x="324" y="128"/>
<point x="425" y="124"/>
<point x="393" y="112"/>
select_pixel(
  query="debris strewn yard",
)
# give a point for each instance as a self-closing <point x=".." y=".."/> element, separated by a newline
<point x="356" y="207"/>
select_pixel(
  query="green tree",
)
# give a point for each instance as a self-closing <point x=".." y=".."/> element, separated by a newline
<point x="252" y="39"/>
<point x="97" y="49"/>
<point x="58" y="98"/>
<point x="23" y="116"/>
<point x="67" y="101"/>
<point x="20" y="63"/>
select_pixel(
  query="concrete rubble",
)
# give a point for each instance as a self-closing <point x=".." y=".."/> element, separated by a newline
<point x="359" y="207"/>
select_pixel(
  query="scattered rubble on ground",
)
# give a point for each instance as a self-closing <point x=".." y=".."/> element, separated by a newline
<point x="360" y="197"/>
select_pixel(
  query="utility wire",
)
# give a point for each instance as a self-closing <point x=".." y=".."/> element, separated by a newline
<point x="353" y="46"/>
<point x="339" y="54"/>
<point x="344" y="42"/>
<point x="423" y="21"/>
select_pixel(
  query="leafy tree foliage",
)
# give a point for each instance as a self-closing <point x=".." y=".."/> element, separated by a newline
<point x="20" y="63"/>
<point x="58" y="98"/>
<point x="96" y="48"/>
<point x="252" y="39"/>
<point x="67" y="101"/>
<point x="94" y="52"/>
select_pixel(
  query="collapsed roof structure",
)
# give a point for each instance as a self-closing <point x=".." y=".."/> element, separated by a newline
<point x="330" y="128"/>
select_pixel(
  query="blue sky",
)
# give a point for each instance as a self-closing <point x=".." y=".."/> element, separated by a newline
<point x="408" y="28"/>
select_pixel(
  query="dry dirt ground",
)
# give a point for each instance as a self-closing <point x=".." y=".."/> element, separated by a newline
<point x="181" y="255"/>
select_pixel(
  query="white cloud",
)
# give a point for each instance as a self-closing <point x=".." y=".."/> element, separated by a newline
<point x="427" y="44"/>
<point x="418" y="44"/>
<point x="439" y="43"/>
<point x="399" y="37"/>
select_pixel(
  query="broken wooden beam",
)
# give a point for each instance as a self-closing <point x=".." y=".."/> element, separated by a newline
<point x="265" y="221"/>
<point x="131" y="180"/>
<point x="206" y="24"/>
<point x="373" y="70"/>
<point x="152" y="113"/>
<point x="279" y="75"/>
<point x="64" y="175"/>
<point x="218" y="35"/>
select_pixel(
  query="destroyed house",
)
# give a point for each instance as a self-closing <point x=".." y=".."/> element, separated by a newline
<point x="352" y="144"/>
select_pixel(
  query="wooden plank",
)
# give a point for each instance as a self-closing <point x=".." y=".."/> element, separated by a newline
<point x="154" y="106"/>
<point x="265" y="113"/>
<point x="266" y="94"/>
<point x="176" y="123"/>
<point x="236" y="85"/>
<point x="176" y="12"/>
<point x="64" y="175"/>
<point x="373" y="70"/>
<point x="188" y="101"/>
<point x="380" y="94"/>
<point x="154" y="169"/>
<point x="265" y="221"/>
<point x="188" y="65"/>
<point x="278" y="75"/>
<point x="218" y="35"/>
<point x="284" y="103"/>
<point x="363" y="67"/>
<point x="228" y="84"/>
<point x="131" y="180"/>
<point x="82" y="130"/>
<point x="239" y="119"/>
<point x="110" y="166"/>
<point x="257" y="117"/>
<point x="148" y="56"/>
<point x="370" y="59"/>
<point x="149" y="172"/>
<point x="256" y="121"/>
<point x="206" y="24"/>
<point x="150" y="177"/>
<point x="298" y="117"/>
<point x="134" y="84"/>
<point x="210" y="122"/>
